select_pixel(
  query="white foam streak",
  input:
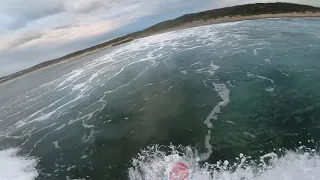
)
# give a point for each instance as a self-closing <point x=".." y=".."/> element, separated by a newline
<point x="269" y="89"/>
<point x="74" y="74"/>
<point x="210" y="70"/>
<point x="261" y="77"/>
<point x="224" y="93"/>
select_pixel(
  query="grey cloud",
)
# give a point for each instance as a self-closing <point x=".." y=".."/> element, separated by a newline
<point x="91" y="7"/>
<point x="60" y="27"/>
<point x="42" y="13"/>
<point x="21" y="13"/>
<point x="25" y="38"/>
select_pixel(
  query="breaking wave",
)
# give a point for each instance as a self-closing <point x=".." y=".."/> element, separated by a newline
<point x="15" y="167"/>
<point x="153" y="164"/>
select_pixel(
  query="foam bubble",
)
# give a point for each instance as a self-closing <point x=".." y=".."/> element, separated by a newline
<point x="269" y="89"/>
<point x="14" y="167"/>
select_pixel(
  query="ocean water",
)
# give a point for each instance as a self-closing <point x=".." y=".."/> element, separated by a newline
<point x="234" y="101"/>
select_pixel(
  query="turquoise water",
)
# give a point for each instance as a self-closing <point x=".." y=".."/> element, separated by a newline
<point x="249" y="87"/>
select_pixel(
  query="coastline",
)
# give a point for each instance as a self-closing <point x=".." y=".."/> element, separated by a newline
<point x="184" y="26"/>
<point x="236" y="19"/>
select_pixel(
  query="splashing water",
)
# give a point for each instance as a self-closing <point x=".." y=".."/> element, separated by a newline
<point x="154" y="163"/>
<point x="14" y="167"/>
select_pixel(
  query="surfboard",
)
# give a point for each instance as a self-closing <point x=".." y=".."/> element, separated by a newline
<point x="178" y="171"/>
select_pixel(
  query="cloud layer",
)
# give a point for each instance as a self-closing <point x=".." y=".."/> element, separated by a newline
<point x="33" y="31"/>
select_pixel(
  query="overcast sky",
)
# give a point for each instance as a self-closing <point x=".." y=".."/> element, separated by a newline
<point x="33" y="31"/>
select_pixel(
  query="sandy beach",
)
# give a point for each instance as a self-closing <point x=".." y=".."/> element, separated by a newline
<point x="238" y="18"/>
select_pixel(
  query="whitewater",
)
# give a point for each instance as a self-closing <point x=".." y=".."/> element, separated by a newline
<point x="304" y="163"/>
<point x="152" y="164"/>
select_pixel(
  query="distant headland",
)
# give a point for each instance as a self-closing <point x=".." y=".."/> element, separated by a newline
<point x="228" y="14"/>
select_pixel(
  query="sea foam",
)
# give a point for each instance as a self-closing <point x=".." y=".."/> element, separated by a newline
<point x="14" y="167"/>
<point x="153" y="163"/>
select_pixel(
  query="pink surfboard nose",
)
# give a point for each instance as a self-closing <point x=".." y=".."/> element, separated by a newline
<point x="179" y="171"/>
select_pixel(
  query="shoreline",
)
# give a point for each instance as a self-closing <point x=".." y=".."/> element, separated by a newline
<point x="236" y="19"/>
<point x="181" y="27"/>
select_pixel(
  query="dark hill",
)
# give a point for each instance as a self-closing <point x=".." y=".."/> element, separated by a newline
<point x="242" y="10"/>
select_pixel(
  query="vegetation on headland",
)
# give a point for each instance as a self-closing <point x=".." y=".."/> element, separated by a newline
<point x="241" y="10"/>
